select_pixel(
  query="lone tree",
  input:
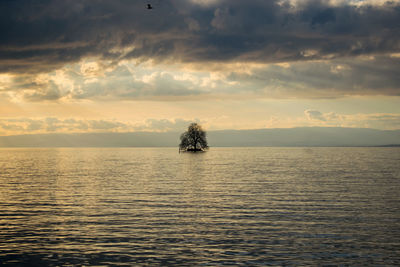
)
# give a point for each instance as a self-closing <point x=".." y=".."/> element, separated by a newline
<point x="194" y="139"/>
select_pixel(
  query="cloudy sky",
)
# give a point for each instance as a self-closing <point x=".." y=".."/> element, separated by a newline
<point x="114" y="66"/>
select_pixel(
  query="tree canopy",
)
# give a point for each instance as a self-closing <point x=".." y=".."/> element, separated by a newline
<point x="194" y="139"/>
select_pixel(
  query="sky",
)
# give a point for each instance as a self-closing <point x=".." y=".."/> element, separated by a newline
<point x="115" y="66"/>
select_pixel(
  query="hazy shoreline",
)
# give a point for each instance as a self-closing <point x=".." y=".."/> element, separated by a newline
<point x="279" y="137"/>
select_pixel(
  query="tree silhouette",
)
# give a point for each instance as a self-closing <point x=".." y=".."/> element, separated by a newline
<point x="194" y="139"/>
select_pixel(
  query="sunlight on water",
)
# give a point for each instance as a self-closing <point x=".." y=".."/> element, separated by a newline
<point x="229" y="206"/>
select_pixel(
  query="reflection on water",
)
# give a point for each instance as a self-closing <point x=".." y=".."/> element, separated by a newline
<point x="243" y="206"/>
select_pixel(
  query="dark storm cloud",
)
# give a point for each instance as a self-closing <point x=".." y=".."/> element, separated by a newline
<point x="40" y="35"/>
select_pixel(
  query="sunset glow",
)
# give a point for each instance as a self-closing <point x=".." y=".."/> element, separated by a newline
<point x="94" y="66"/>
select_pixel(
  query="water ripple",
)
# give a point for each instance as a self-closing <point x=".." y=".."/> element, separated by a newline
<point x="230" y="206"/>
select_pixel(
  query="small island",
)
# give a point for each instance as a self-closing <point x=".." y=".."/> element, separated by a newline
<point x="194" y="139"/>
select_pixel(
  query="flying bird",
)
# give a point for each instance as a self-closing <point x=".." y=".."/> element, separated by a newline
<point x="149" y="6"/>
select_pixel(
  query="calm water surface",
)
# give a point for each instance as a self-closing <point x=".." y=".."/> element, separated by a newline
<point x="229" y="206"/>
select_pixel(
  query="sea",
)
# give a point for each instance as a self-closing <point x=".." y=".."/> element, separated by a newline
<point x="270" y="206"/>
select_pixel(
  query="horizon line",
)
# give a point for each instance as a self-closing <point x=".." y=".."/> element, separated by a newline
<point x="178" y="131"/>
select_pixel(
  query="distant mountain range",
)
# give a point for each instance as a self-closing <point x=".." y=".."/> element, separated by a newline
<point x="306" y="136"/>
